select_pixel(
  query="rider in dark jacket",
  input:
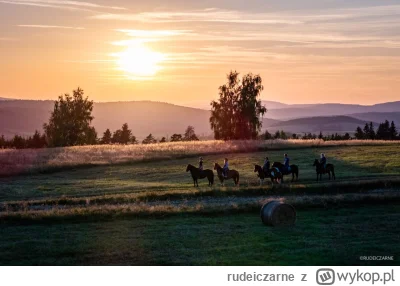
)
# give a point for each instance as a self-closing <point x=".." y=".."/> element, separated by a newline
<point x="266" y="166"/>
<point x="323" y="161"/>
<point x="286" y="163"/>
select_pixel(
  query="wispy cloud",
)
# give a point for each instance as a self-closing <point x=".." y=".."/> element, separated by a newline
<point x="242" y="17"/>
<point x="144" y="36"/>
<point x="206" y="15"/>
<point x="61" y="4"/>
<point x="50" y="27"/>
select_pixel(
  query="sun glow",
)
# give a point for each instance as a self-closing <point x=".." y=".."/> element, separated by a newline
<point x="139" y="62"/>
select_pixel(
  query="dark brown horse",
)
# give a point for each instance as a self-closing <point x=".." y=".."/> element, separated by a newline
<point x="294" y="170"/>
<point x="232" y="174"/>
<point x="197" y="174"/>
<point x="273" y="173"/>
<point x="319" y="168"/>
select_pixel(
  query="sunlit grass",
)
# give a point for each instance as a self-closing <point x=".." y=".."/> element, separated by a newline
<point x="13" y="162"/>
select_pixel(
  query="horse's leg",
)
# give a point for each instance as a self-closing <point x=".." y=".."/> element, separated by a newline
<point x="292" y="177"/>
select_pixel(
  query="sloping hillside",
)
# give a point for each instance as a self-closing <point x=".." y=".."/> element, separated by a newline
<point x="327" y="124"/>
<point x="25" y="116"/>
<point x="163" y="119"/>
<point x="378" y="116"/>
<point x="329" y="109"/>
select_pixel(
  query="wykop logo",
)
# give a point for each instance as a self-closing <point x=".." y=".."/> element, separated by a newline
<point x="325" y="276"/>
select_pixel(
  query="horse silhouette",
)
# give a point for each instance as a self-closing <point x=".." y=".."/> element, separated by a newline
<point x="320" y="170"/>
<point x="275" y="175"/>
<point x="232" y="174"/>
<point x="294" y="170"/>
<point x="198" y="174"/>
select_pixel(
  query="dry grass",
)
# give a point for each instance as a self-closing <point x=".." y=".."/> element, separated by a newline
<point x="386" y="185"/>
<point x="14" y="162"/>
<point x="200" y="207"/>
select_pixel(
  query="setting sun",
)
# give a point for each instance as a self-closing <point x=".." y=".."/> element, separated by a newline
<point x="139" y="62"/>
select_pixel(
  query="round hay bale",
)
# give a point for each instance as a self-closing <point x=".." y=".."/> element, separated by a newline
<point x="275" y="213"/>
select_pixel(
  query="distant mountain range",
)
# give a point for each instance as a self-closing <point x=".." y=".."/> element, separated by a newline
<point x="23" y="117"/>
<point x="328" y="109"/>
<point x="325" y="124"/>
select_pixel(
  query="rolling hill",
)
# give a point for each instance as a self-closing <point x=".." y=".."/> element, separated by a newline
<point x="326" y="124"/>
<point x="23" y="117"/>
<point x="330" y="109"/>
<point x="378" y="116"/>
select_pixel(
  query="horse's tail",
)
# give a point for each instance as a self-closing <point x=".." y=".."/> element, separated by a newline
<point x="237" y="179"/>
<point x="297" y="172"/>
<point x="333" y="172"/>
<point x="212" y="178"/>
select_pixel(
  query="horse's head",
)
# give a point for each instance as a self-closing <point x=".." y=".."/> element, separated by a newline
<point x="216" y="166"/>
<point x="256" y="168"/>
<point x="316" y="163"/>
<point x="188" y="168"/>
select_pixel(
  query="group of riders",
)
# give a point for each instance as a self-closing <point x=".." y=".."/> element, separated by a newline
<point x="266" y="167"/>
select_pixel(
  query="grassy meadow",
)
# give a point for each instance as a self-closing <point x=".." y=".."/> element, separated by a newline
<point x="144" y="210"/>
<point x="27" y="161"/>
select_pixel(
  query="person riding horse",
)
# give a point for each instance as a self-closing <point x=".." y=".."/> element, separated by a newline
<point x="225" y="168"/>
<point x="201" y="165"/>
<point x="322" y="161"/>
<point x="286" y="163"/>
<point x="266" y="166"/>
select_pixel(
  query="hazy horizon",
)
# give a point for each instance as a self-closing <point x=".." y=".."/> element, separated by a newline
<point x="200" y="105"/>
<point x="306" y="52"/>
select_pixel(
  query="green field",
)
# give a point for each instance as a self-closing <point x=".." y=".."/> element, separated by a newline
<point x="149" y="213"/>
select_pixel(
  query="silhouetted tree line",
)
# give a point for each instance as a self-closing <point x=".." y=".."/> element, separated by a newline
<point x="124" y="136"/>
<point x="385" y="131"/>
<point x="35" y="141"/>
<point x="120" y="136"/>
<point x="306" y="136"/>
<point x="189" y="135"/>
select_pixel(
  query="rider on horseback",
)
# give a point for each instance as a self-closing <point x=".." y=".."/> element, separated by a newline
<point x="266" y="166"/>
<point x="322" y="161"/>
<point x="201" y="164"/>
<point x="225" y="169"/>
<point x="286" y="163"/>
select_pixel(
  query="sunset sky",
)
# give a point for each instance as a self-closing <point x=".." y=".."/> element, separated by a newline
<point x="180" y="51"/>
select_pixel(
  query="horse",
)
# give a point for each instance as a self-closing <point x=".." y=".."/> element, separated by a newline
<point x="319" y="168"/>
<point x="274" y="175"/>
<point x="294" y="170"/>
<point x="232" y="174"/>
<point x="198" y="174"/>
